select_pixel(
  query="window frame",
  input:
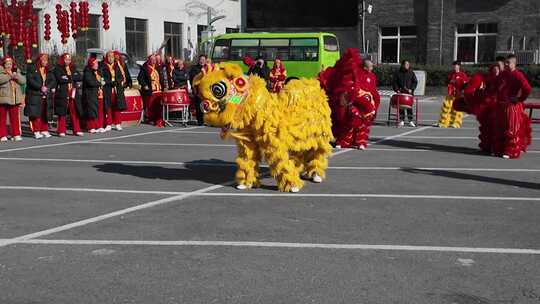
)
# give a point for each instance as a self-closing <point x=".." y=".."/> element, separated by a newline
<point x="180" y="36"/>
<point x="476" y="35"/>
<point x="98" y="30"/>
<point x="135" y="31"/>
<point x="397" y="37"/>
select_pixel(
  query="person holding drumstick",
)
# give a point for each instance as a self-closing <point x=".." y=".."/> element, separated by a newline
<point x="405" y="82"/>
<point x="150" y="80"/>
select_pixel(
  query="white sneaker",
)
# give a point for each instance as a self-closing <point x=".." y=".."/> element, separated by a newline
<point x="506" y="156"/>
<point x="4" y="138"/>
<point x="38" y="135"/>
<point x="46" y="134"/>
<point x="401" y="124"/>
<point x="362" y="147"/>
<point x="62" y="134"/>
<point x="118" y="127"/>
<point x="92" y="131"/>
<point x="17" y="138"/>
<point x="316" y="179"/>
<point x="108" y="128"/>
<point x="338" y="146"/>
<point x="79" y="134"/>
<point x="295" y="189"/>
<point x="241" y="187"/>
<point x="101" y="130"/>
<point x="412" y="124"/>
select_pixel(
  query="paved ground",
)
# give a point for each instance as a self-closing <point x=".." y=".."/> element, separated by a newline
<point x="149" y="216"/>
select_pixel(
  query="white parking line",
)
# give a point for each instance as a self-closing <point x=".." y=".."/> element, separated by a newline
<point x="278" y="194"/>
<point x="217" y="164"/>
<point x="103" y="217"/>
<point x="160" y="144"/>
<point x="92" y="140"/>
<point x="283" y="245"/>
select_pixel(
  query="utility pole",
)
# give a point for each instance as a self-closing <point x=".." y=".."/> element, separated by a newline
<point x="365" y="9"/>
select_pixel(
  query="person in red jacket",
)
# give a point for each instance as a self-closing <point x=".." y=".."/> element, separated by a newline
<point x="278" y="75"/>
<point x="512" y="130"/>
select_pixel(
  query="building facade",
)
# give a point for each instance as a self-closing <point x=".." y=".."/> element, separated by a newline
<point x="440" y="31"/>
<point x="139" y="27"/>
<point x="423" y="31"/>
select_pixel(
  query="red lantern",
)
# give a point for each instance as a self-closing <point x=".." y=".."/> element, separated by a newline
<point x="74" y="19"/>
<point x="21" y="34"/>
<point x="105" y="11"/>
<point x="83" y="11"/>
<point x="34" y="37"/>
<point x="47" y="32"/>
<point x="59" y="17"/>
<point x="2" y="18"/>
<point x="65" y="27"/>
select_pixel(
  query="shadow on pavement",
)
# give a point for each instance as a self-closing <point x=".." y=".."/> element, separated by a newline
<point x="213" y="171"/>
<point x="431" y="146"/>
<point x="473" y="177"/>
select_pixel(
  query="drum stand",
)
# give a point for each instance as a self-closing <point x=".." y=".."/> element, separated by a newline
<point x="183" y="109"/>
<point x="395" y="117"/>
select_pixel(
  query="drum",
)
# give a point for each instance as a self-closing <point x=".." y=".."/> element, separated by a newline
<point x="176" y="99"/>
<point x="133" y="114"/>
<point x="405" y="101"/>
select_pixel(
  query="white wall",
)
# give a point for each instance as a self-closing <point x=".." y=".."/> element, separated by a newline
<point x="188" y="12"/>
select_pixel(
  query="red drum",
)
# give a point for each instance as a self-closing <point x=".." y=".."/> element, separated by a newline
<point x="176" y="100"/>
<point x="405" y="101"/>
<point x="133" y="114"/>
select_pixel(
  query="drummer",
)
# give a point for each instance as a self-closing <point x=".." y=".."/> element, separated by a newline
<point x="150" y="81"/>
<point x="405" y="82"/>
<point x="180" y="74"/>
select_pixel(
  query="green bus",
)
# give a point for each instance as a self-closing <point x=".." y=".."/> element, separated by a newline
<point x="303" y="54"/>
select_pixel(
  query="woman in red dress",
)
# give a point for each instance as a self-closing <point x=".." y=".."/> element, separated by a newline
<point x="278" y="75"/>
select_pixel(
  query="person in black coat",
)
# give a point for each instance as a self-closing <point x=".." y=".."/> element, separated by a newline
<point x="66" y="78"/>
<point x="180" y="75"/>
<point x="193" y="72"/>
<point x="150" y="81"/>
<point x="405" y="82"/>
<point x="114" y="101"/>
<point x="39" y="85"/>
<point x="93" y="96"/>
<point x="119" y="59"/>
<point x="261" y="69"/>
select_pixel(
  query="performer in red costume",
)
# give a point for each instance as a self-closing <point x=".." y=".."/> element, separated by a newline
<point x="353" y="100"/>
<point x="512" y="132"/>
<point x="278" y="75"/>
<point x="39" y="83"/>
<point x="150" y="80"/>
<point x="66" y="78"/>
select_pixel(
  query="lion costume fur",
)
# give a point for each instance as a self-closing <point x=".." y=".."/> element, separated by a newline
<point x="290" y="130"/>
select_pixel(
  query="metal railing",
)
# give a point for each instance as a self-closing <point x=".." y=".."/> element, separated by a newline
<point x="523" y="57"/>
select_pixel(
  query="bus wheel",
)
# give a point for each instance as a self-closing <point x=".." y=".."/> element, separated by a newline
<point x="291" y="78"/>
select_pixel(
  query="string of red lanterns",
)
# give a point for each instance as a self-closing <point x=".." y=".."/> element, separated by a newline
<point x="19" y="25"/>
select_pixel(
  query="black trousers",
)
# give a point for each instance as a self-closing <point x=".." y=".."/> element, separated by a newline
<point x="409" y="114"/>
<point x="198" y="111"/>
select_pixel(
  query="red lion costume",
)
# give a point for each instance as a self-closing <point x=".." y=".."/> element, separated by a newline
<point x="353" y="98"/>
<point x="496" y="99"/>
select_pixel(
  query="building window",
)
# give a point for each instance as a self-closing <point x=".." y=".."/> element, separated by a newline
<point x="173" y="35"/>
<point x="89" y="39"/>
<point x="397" y="44"/>
<point x="475" y="43"/>
<point x="136" y="38"/>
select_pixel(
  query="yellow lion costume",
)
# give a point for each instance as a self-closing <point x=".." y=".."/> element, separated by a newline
<point x="290" y="130"/>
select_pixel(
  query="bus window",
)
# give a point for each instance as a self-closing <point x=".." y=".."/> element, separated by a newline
<point x="330" y="44"/>
<point x="275" y="48"/>
<point x="304" y="49"/>
<point x="221" y="49"/>
<point x="244" y="47"/>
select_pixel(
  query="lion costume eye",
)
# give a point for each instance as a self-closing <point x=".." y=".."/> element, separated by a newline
<point x="219" y="90"/>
